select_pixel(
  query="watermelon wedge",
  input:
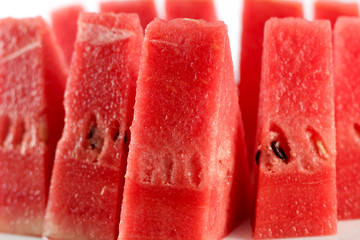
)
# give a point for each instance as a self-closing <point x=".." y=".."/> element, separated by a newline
<point x="186" y="172"/>
<point x="195" y="9"/>
<point x="347" y="93"/>
<point x="331" y="10"/>
<point x="88" y="176"/>
<point x="32" y="83"/>
<point x="296" y="182"/>
<point x="145" y="8"/>
<point x="64" y="23"/>
<point x="256" y="13"/>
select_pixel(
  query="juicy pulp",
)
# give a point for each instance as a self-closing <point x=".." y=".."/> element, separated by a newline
<point x="256" y="13"/>
<point x="295" y="179"/>
<point x="32" y="83"/>
<point x="86" y="188"/>
<point x="331" y="10"/>
<point x="194" y="9"/>
<point x="187" y="171"/>
<point x="64" y="23"/>
<point x="347" y="93"/>
<point x="145" y="8"/>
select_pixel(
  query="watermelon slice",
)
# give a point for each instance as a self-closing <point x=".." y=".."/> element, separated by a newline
<point x="256" y="13"/>
<point x="296" y="182"/>
<point x="88" y="177"/>
<point x="64" y="23"/>
<point x="145" y="8"/>
<point x="32" y="80"/>
<point x="347" y="93"/>
<point x="331" y="10"/>
<point x="186" y="172"/>
<point x="196" y="9"/>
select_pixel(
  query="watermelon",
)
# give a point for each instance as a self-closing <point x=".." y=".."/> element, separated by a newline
<point x="32" y="80"/>
<point x="186" y="174"/>
<point x="196" y="9"/>
<point x="347" y="93"/>
<point x="145" y="8"/>
<point x="296" y="179"/>
<point x="88" y="176"/>
<point x="332" y="10"/>
<point x="256" y="13"/>
<point x="64" y="23"/>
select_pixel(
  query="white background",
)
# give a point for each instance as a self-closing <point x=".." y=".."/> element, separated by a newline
<point x="228" y="11"/>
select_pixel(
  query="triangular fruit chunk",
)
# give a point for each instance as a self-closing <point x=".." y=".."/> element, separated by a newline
<point x="88" y="177"/>
<point x="32" y="83"/>
<point x="296" y="182"/>
<point x="187" y="171"/>
<point x="347" y="111"/>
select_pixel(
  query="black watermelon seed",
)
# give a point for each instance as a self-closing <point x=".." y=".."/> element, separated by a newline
<point x="91" y="132"/>
<point x="125" y="138"/>
<point x="257" y="157"/>
<point x="279" y="152"/>
<point x="92" y="145"/>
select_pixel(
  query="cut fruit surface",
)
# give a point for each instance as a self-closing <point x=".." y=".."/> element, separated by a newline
<point x="255" y="14"/>
<point x="347" y="91"/>
<point x="295" y="178"/>
<point x="187" y="172"/>
<point x="32" y="83"/>
<point x="87" y="184"/>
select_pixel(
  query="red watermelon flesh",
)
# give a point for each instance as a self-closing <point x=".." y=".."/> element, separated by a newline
<point x="195" y="9"/>
<point x="256" y="13"/>
<point x="332" y="10"/>
<point x="32" y="80"/>
<point x="186" y="174"/>
<point x="347" y="95"/>
<point x="145" y="8"/>
<point x="88" y="177"/>
<point x="64" y="23"/>
<point x="296" y="182"/>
